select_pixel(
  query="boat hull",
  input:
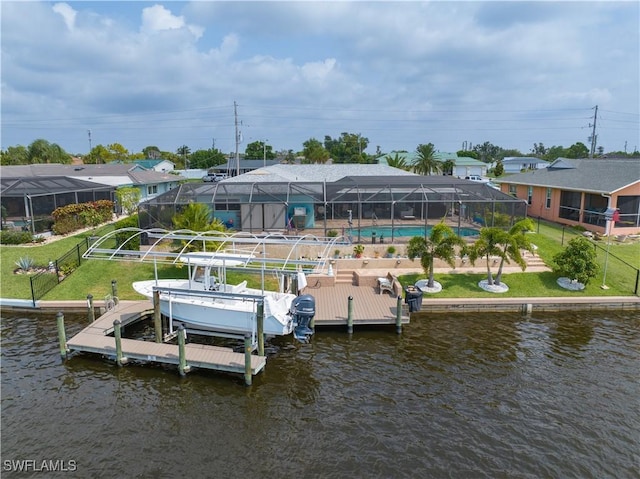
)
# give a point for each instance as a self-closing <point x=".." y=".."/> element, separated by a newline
<point x="232" y="316"/>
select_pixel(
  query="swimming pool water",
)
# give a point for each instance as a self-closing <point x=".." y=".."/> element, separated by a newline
<point x="404" y="231"/>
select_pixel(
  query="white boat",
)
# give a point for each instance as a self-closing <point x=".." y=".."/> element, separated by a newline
<point x="206" y="302"/>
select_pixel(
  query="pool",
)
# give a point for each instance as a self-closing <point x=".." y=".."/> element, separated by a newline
<point x="403" y="231"/>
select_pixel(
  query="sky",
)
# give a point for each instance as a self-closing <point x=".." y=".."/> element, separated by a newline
<point x="451" y="73"/>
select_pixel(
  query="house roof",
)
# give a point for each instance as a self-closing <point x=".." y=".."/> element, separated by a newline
<point x="46" y="185"/>
<point x="523" y="159"/>
<point x="597" y="175"/>
<point x="149" y="164"/>
<point x="113" y="174"/>
<point x="315" y="173"/>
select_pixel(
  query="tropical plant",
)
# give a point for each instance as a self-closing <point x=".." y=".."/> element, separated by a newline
<point x="441" y="243"/>
<point x="515" y="241"/>
<point x="426" y="163"/>
<point x="358" y="250"/>
<point x="128" y="197"/>
<point x="391" y="250"/>
<point x="505" y="245"/>
<point x="25" y="263"/>
<point x="397" y="161"/>
<point x="577" y="261"/>
<point x="196" y="217"/>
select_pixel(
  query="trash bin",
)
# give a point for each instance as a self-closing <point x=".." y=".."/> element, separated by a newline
<point x="413" y="297"/>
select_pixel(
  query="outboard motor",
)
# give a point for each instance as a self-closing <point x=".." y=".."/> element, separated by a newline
<point x="303" y="309"/>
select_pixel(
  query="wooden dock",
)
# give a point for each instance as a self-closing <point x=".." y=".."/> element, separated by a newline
<point x="95" y="339"/>
<point x="369" y="307"/>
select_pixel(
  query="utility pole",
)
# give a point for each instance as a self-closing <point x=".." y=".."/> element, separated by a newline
<point x="89" y="132"/>
<point x="235" y="114"/>
<point x="593" y="136"/>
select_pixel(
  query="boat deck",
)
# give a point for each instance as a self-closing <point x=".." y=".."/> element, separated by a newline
<point x="95" y="339"/>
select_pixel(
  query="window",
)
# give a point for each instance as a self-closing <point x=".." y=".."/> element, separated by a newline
<point x="529" y="195"/>
<point x="570" y="205"/>
<point x="513" y="190"/>
<point x="153" y="189"/>
<point x="548" y="200"/>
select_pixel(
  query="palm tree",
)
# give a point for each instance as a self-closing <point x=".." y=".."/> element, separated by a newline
<point x="426" y="164"/>
<point x="440" y="243"/>
<point x="397" y="161"/>
<point x="506" y="245"/>
<point x="516" y="241"/>
<point x="196" y="217"/>
<point x="488" y="245"/>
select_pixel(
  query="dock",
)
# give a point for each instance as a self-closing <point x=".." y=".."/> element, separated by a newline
<point x="95" y="338"/>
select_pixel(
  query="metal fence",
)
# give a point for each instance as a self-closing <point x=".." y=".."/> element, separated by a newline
<point x="626" y="276"/>
<point x="57" y="271"/>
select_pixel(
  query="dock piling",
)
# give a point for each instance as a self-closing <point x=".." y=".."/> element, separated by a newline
<point x="114" y="291"/>
<point x="117" y="332"/>
<point x="260" y="314"/>
<point x="62" y="337"/>
<point x="91" y="313"/>
<point x="350" y="315"/>
<point x="247" y="359"/>
<point x="399" y="314"/>
<point x="182" y="366"/>
<point x="157" y="318"/>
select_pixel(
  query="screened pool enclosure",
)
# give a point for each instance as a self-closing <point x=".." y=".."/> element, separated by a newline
<point x="362" y="208"/>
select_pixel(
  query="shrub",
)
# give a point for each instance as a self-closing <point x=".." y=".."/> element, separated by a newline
<point x="391" y="249"/>
<point x="577" y="261"/>
<point x="332" y="233"/>
<point x="15" y="237"/>
<point x="123" y="238"/>
<point x="81" y="215"/>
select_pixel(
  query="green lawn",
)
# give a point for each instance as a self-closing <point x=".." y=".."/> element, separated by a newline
<point x="95" y="276"/>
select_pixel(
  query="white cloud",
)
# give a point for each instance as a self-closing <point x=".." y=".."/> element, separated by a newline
<point x="157" y="18"/>
<point x="68" y="14"/>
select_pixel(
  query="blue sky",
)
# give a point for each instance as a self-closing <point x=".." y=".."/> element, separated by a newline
<point x="398" y="73"/>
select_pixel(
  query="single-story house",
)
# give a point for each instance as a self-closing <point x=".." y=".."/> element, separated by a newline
<point x="579" y="192"/>
<point x="463" y="166"/>
<point x="32" y="192"/>
<point x="516" y="164"/>
<point x="161" y="166"/>
<point x="232" y="168"/>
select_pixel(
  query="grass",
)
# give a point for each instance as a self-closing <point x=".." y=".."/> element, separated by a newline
<point x="95" y="276"/>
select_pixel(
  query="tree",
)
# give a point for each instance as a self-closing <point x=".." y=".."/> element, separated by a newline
<point x="498" y="170"/>
<point x="118" y="152"/>
<point x="426" y="164"/>
<point x="554" y="153"/>
<point x="314" y="152"/>
<point x="15" y="155"/>
<point x="487" y="152"/>
<point x="349" y="148"/>
<point x="98" y="154"/>
<point x="258" y="150"/>
<point x="486" y="246"/>
<point x="196" y="217"/>
<point x="184" y="151"/>
<point x="440" y="243"/>
<point x="516" y="240"/>
<point x="506" y="245"/>
<point x="577" y="261"/>
<point x="468" y="154"/>
<point x="128" y="197"/>
<point x="539" y="150"/>
<point x="41" y="151"/>
<point x="448" y="166"/>
<point x="205" y="159"/>
<point x="151" y="152"/>
<point x="577" y="150"/>
<point x="397" y="161"/>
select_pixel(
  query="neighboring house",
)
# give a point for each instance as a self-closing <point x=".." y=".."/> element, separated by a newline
<point x="464" y="166"/>
<point x="578" y="192"/>
<point x="35" y="190"/>
<point x="161" y="166"/>
<point x="231" y="167"/>
<point x="516" y="164"/>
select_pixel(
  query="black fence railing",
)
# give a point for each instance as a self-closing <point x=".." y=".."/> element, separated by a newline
<point x="626" y="276"/>
<point x="57" y="271"/>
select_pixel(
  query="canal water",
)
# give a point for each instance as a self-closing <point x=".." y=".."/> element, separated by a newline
<point x="496" y="396"/>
